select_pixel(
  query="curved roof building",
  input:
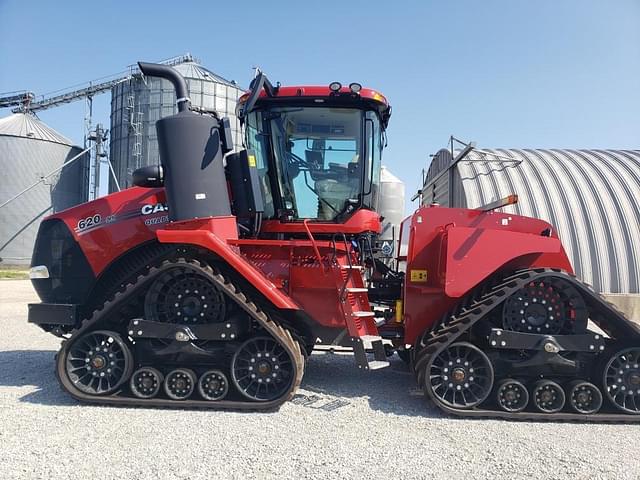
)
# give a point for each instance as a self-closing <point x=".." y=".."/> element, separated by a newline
<point x="592" y="197"/>
<point x="29" y="149"/>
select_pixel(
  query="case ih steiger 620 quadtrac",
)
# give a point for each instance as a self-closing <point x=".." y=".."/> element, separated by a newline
<point x="208" y="285"/>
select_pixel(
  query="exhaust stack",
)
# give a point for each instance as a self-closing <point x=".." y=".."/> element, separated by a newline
<point x="179" y="83"/>
<point x="192" y="148"/>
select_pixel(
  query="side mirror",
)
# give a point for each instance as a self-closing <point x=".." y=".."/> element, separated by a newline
<point x="151" y="176"/>
<point x="257" y="84"/>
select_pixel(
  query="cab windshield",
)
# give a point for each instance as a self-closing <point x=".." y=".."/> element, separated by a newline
<point x="326" y="160"/>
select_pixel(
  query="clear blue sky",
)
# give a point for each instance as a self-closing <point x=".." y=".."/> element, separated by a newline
<point x="543" y="73"/>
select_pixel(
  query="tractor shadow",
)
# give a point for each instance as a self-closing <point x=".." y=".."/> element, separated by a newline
<point x="330" y="377"/>
<point x="20" y="368"/>
<point x="389" y="390"/>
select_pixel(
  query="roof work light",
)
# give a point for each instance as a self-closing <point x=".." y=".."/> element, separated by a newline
<point x="355" y="87"/>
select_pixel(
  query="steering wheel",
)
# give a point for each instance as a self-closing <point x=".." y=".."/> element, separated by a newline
<point x="295" y="160"/>
<point x="293" y="164"/>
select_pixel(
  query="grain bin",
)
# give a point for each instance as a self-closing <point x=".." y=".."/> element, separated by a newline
<point x="137" y="104"/>
<point x="29" y="149"/>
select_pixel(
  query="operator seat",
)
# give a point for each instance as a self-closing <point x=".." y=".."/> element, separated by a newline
<point x="342" y="184"/>
<point x="315" y="161"/>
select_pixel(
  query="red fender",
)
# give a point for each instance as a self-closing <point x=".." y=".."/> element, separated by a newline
<point x="475" y="253"/>
<point x="212" y="234"/>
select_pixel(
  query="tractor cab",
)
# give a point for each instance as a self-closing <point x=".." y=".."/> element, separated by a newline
<point x="317" y="149"/>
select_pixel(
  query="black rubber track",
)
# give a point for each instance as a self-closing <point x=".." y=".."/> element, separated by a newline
<point x="120" y="298"/>
<point x="481" y="302"/>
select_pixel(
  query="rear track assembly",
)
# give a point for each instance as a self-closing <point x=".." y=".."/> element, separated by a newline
<point x="445" y="375"/>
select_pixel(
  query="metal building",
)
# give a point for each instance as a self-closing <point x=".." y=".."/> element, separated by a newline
<point x="29" y="150"/>
<point x="391" y="209"/>
<point x="592" y="198"/>
<point x="138" y="103"/>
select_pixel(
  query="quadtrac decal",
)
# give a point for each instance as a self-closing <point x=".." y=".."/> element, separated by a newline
<point x="96" y="221"/>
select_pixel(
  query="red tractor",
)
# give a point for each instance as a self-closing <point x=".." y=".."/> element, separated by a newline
<point x="209" y="283"/>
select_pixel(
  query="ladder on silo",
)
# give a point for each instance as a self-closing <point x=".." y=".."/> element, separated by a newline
<point x="135" y="125"/>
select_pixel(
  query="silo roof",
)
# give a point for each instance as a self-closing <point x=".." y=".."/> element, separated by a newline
<point x="592" y="197"/>
<point x="197" y="71"/>
<point x="28" y="126"/>
<point x="387" y="176"/>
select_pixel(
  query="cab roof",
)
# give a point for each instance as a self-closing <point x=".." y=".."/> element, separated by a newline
<point x="323" y="94"/>
<point x="320" y="91"/>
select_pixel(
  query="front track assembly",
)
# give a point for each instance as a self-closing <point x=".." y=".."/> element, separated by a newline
<point x="101" y="361"/>
<point x="521" y="349"/>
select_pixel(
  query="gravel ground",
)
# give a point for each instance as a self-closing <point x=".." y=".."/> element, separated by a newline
<point x="361" y="425"/>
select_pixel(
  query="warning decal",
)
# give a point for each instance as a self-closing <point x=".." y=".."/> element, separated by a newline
<point x="419" y="276"/>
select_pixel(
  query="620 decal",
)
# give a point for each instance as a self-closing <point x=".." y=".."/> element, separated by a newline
<point x="89" y="222"/>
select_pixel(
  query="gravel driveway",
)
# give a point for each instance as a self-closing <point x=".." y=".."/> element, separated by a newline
<point x="344" y="423"/>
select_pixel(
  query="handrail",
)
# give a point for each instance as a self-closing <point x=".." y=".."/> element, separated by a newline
<point x="350" y="270"/>
<point x="313" y="243"/>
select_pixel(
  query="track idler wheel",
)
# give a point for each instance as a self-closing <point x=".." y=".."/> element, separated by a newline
<point x="213" y="385"/>
<point x="548" y="396"/>
<point x="179" y="383"/>
<point x="146" y="382"/>
<point x="98" y="362"/>
<point x="512" y="395"/>
<point x="622" y="380"/>
<point x="461" y="376"/>
<point x="261" y="369"/>
<point x="584" y="397"/>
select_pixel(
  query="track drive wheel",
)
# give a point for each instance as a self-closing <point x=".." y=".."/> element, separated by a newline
<point x="261" y="369"/>
<point x="183" y="295"/>
<point x="622" y="380"/>
<point x="461" y="376"/>
<point x="548" y="396"/>
<point x="98" y="362"/>
<point x="512" y="395"/>
<point x="546" y="306"/>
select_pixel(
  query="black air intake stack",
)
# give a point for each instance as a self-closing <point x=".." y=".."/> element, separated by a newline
<point x="191" y="147"/>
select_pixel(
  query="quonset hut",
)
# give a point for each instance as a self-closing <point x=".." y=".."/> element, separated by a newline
<point x="29" y="150"/>
<point x="592" y="197"/>
<point x="137" y="104"/>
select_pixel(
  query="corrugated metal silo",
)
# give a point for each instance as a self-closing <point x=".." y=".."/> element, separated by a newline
<point x="592" y="197"/>
<point x="137" y="104"/>
<point x="391" y="205"/>
<point x="29" y="149"/>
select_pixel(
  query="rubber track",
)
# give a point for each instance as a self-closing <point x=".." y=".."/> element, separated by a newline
<point x="480" y="303"/>
<point x="120" y="299"/>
